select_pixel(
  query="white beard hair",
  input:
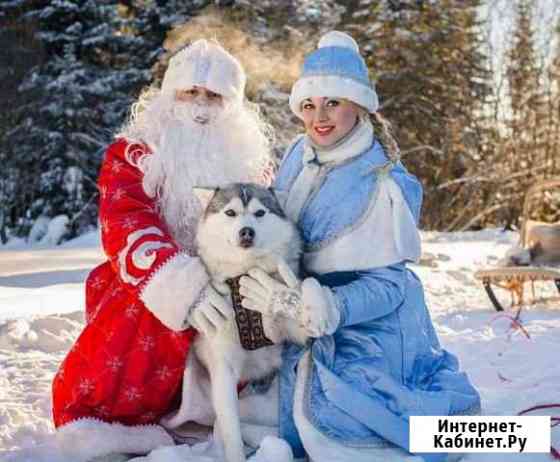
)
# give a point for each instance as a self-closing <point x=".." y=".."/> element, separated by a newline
<point x="232" y="147"/>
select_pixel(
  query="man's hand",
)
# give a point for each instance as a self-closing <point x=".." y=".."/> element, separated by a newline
<point x="211" y="313"/>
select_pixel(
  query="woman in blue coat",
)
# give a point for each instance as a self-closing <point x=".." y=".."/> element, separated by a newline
<point x="374" y="359"/>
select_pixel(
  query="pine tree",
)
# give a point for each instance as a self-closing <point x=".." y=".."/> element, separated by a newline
<point x="553" y="125"/>
<point x="433" y="81"/>
<point x="98" y="55"/>
<point x="525" y="122"/>
<point x="20" y="50"/>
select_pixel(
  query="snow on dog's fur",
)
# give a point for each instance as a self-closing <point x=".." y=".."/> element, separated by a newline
<point x="242" y="227"/>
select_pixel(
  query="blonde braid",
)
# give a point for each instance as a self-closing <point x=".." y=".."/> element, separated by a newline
<point x="382" y="131"/>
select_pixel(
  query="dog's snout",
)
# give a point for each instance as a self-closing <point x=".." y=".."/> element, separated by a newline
<point x="246" y="237"/>
<point x="247" y="233"/>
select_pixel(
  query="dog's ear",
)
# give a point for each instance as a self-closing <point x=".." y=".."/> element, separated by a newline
<point x="204" y="195"/>
<point x="281" y="196"/>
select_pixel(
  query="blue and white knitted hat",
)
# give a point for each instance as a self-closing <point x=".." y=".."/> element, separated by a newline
<point x="335" y="69"/>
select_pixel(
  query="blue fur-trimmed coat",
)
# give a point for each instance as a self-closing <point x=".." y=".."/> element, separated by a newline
<point x="384" y="362"/>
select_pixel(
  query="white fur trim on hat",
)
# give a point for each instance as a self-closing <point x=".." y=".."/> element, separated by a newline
<point x="332" y="86"/>
<point x="207" y="65"/>
<point x="338" y="39"/>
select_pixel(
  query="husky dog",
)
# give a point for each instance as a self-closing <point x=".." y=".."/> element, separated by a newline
<point x="242" y="227"/>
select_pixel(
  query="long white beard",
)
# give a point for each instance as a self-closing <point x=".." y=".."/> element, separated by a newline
<point x="230" y="147"/>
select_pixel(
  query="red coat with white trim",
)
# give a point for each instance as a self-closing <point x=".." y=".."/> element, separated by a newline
<point x="128" y="363"/>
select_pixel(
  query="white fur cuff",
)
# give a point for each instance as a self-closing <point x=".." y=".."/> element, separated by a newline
<point x="173" y="288"/>
<point x="84" y="439"/>
<point x="320" y="308"/>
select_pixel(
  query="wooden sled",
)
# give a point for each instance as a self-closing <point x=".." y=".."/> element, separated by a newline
<point x="514" y="279"/>
<point x="540" y="242"/>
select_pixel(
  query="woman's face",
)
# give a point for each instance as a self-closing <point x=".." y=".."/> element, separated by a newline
<point x="327" y="120"/>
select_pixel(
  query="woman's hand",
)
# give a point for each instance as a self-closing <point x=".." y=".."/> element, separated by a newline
<point x="270" y="297"/>
<point x="308" y="303"/>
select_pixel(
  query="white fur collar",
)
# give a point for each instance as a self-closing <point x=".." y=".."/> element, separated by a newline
<point x="357" y="141"/>
<point x="351" y="145"/>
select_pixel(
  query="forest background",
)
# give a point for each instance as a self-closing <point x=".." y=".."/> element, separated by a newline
<point x="470" y="87"/>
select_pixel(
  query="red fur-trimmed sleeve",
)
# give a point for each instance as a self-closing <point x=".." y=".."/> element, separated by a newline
<point x="135" y="238"/>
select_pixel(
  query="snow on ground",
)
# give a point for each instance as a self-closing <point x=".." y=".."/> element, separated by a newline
<point x="41" y="305"/>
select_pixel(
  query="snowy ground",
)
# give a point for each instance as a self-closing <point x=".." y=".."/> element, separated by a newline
<point x="41" y="304"/>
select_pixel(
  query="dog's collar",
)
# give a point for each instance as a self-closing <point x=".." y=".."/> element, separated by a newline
<point x="249" y="322"/>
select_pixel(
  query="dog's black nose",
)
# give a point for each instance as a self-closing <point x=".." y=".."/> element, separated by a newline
<point x="246" y="237"/>
<point x="247" y="234"/>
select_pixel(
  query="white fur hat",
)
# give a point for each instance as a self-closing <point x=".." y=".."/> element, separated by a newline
<point x="335" y="69"/>
<point x="207" y="65"/>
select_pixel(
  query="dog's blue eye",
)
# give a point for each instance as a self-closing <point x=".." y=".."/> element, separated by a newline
<point x="260" y="213"/>
<point x="230" y="213"/>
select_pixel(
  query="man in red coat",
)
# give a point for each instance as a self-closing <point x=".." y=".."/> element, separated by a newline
<point x="143" y="304"/>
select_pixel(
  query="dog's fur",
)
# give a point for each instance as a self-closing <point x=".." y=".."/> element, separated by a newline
<point x="229" y="246"/>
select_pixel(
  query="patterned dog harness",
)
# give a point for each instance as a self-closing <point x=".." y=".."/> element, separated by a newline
<point x="249" y="322"/>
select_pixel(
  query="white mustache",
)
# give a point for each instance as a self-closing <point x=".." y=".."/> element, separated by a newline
<point x="199" y="113"/>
